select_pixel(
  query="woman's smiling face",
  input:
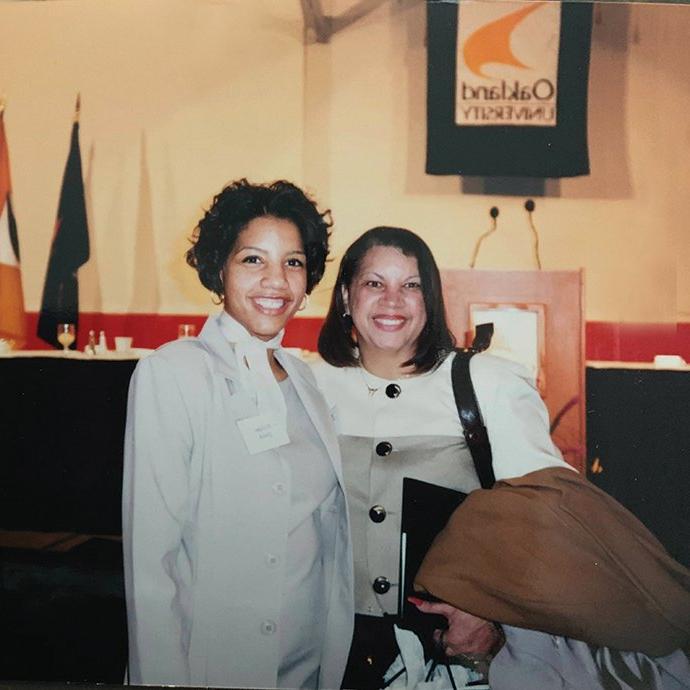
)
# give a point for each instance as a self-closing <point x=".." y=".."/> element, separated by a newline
<point x="386" y="303"/>
<point x="265" y="276"/>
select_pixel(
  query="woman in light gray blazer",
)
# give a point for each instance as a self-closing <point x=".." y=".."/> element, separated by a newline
<point x="236" y="540"/>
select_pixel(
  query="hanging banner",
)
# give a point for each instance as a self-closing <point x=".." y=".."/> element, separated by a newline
<point x="507" y="63"/>
<point x="507" y="88"/>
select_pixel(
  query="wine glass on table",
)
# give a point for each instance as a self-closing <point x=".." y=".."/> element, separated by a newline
<point x="65" y="335"/>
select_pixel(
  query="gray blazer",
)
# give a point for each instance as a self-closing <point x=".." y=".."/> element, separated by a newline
<point x="205" y="525"/>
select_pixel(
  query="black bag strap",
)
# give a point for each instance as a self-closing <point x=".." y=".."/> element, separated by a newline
<point x="468" y="410"/>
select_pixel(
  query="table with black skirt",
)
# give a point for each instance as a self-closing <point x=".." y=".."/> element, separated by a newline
<point x="62" y="420"/>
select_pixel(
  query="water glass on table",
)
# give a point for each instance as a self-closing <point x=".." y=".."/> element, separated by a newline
<point x="186" y="330"/>
<point x="66" y="334"/>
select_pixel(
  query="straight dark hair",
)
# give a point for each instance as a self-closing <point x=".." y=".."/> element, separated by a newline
<point x="336" y="344"/>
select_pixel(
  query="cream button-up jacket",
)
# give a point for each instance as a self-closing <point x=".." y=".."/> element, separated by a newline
<point x="416" y="432"/>
<point x="205" y="525"/>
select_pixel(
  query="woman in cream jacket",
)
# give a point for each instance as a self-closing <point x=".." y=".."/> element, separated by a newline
<point x="236" y="540"/>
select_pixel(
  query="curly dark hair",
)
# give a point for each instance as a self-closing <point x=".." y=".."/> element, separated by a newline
<point x="435" y="342"/>
<point x="238" y="204"/>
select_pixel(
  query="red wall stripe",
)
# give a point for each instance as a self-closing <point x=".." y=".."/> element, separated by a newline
<point x="152" y="330"/>
<point x="635" y="342"/>
<point x="605" y="340"/>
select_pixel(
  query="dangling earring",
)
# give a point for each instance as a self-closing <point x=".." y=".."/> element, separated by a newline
<point x="355" y="344"/>
<point x="305" y="303"/>
<point x="219" y="297"/>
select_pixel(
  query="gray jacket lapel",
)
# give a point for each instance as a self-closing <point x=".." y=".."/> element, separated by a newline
<point x="316" y="408"/>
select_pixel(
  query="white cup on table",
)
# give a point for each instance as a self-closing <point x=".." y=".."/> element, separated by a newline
<point x="669" y="362"/>
<point x="123" y="343"/>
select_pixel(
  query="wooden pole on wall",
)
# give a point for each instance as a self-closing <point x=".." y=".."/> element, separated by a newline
<point x="319" y="27"/>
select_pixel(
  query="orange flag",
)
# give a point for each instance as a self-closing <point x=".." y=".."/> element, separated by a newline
<point x="12" y="318"/>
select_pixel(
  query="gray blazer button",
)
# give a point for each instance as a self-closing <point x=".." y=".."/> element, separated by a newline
<point x="268" y="627"/>
<point x="377" y="513"/>
<point x="272" y="560"/>
<point x="384" y="448"/>
<point x="381" y="585"/>
<point x="279" y="488"/>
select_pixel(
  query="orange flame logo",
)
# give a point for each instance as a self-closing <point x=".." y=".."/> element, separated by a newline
<point x="491" y="42"/>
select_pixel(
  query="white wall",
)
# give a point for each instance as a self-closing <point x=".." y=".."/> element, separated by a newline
<point x="212" y="90"/>
<point x="624" y="223"/>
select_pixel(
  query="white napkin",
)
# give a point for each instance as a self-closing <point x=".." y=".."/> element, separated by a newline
<point x="256" y="376"/>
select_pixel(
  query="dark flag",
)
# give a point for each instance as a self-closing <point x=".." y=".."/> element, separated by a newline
<point x="507" y="88"/>
<point x="70" y="249"/>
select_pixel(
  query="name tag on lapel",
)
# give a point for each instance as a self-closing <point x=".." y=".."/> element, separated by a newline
<point x="260" y="433"/>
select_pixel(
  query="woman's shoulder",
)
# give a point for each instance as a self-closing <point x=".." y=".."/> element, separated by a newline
<point x="178" y="357"/>
<point x="495" y="378"/>
<point x="182" y="350"/>
<point x="485" y="364"/>
<point x="333" y="382"/>
<point x="327" y="373"/>
<point x="491" y="372"/>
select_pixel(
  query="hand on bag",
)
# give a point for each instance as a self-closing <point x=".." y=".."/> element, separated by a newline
<point x="466" y="635"/>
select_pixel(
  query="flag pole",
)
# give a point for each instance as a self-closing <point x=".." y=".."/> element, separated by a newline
<point x="69" y="249"/>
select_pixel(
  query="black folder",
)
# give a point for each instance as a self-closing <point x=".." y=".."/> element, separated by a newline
<point x="426" y="509"/>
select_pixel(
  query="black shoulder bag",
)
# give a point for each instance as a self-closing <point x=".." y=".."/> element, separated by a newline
<point x="468" y="410"/>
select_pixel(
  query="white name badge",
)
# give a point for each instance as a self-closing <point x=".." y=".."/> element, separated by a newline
<point x="260" y="433"/>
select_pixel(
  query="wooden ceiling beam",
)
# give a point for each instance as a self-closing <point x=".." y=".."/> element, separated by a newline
<point x="319" y="27"/>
